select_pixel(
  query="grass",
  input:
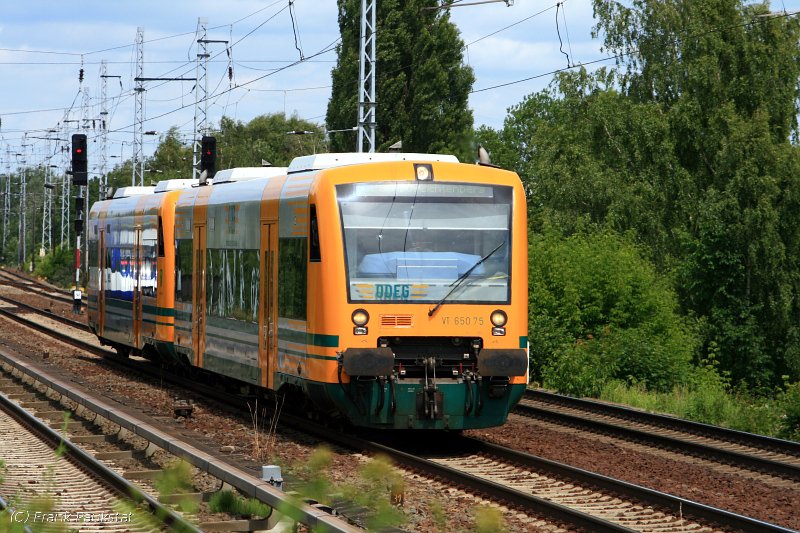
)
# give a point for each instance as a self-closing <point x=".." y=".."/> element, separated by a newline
<point x="229" y="502"/>
<point x="714" y="405"/>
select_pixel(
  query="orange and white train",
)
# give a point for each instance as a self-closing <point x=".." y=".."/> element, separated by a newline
<point x="388" y="289"/>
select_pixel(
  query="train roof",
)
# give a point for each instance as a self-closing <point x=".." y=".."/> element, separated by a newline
<point x="173" y="185"/>
<point x="230" y="175"/>
<point x="323" y="161"/>
<point x="126" y="192"/>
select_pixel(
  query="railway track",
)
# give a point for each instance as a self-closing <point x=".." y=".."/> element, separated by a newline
<point x="577" y="497"/>
<point x="69" y="488"/>
<point x="536" y="486"/>
<point x="21" y="281"/>
<point x="757" y="453"/>
<point x="117" y="428"/>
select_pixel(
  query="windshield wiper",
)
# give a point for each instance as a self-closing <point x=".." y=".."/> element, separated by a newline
<point x="457" y="283"/>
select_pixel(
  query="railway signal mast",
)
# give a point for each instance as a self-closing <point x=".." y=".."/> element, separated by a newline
<point x="201" y="94"/>
<point x="208" y="159"/>
<point x="80" y="171"/>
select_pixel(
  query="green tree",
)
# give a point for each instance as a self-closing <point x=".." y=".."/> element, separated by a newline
<point x="687" y="143"/>
<point x="726" y="75"/>
<point x="586" y="151"/>
<point x="266" y="138"/>
<point x="172" y="157"/>
<point x="422" y="85"/>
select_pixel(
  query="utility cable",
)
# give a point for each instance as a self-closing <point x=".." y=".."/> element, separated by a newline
<point x="560" y="42"/>
<point x="625" y="54"/>
<point x="511" y="25"/>
<point x="295" y="30"/>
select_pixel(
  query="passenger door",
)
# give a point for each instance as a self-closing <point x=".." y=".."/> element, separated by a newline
<point x="199" y="294"/>
<point x="101" y="281"/>
<point x="137" y="288"/>
<point x="268" y="320"/>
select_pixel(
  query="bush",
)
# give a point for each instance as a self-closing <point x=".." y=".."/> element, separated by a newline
<point x="58" y="267"/>
<point x="599" y="311"/>
<point x="790" y="408"/>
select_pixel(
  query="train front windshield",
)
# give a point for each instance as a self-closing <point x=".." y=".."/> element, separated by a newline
<point x="415" y="242"/>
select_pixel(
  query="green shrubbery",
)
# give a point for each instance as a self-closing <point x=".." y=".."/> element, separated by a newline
<point x="58" y="267"/>
<point x="599" y="312"/>
<point x="603" y="323"/>
<point x="789" y="399"/>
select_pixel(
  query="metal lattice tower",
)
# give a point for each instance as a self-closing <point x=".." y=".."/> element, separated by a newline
<point x="66" y="186"/>
<point x="366" y="79"/>
<point x="200" y="94"/>
<point x="137" y="173"/>
<point x="86" y="120"/>
<point x="47" y="208"/>
<point x="23" y="197"/>
<point x="7" y="198"/>
<point x="102" y="149"/>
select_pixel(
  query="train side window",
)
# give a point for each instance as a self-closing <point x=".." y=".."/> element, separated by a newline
<point x="184" y="257"/>
<point x="292" y="277"/>
<point x="314" y="254"/>
<point x="160" y="238"/>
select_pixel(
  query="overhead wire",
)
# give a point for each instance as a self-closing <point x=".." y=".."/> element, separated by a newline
<point x="566" y="30"/>
<point x="227" y="50"/>
<point x="625" y="54"/>
<point x="295" y="30"/>
<point x="328" y="48"/>
<point x="560" y="42"/>
<point x="124" y="97"/>
<point x="517" y="23"/>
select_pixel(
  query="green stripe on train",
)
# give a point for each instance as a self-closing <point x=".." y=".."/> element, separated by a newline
<point x="160" y="311"/>
<point x="149" y="309"/>
<point x="295" y="353"/>
<point x="312" y="339"/>
<point x="120" y="304"/>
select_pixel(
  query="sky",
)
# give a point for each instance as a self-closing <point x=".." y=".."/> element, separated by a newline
<point x="45" y="43"/>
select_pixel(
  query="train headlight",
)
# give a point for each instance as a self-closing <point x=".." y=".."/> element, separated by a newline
<point x="498" y="318"/>
<point x="423" y="172"/>
<point x="360" y="318"/>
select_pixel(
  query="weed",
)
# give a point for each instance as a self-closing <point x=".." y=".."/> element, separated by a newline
<point x="228" y="502"/>
<point x="263" y="445"/>
<point x="174" y="481"/>
<point x="489" y="520"/>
